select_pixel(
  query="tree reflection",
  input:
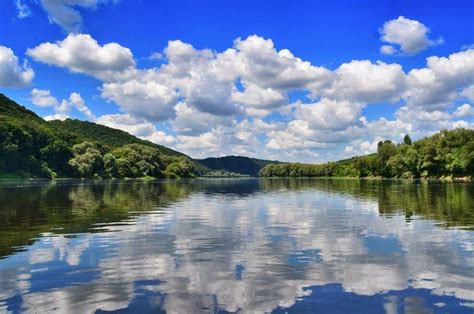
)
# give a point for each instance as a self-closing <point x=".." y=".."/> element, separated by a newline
<point x="30" y="208"/>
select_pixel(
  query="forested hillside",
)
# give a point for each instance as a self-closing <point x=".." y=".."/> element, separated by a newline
<point x="33" y="147"/>
<point x="446" y="154"/>
<point x="112" y="138"/>
<point x="236" y="164"/>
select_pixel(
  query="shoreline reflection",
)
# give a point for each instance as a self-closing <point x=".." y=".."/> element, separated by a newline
<point x="229" y="245"/>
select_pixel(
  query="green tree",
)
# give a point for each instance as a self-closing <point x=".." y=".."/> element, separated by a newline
<point x="87" y="160"/>
<point x="110" y="166"/>
<point x="407" y="140"/>
<point x="57" y="154"/>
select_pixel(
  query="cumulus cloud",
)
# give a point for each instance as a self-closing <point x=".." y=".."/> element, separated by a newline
<point x="145" y="99"/>
<point x="259" y="62"/>
<point x="136" y="126"/>
<point x="77" y="102"/>
<point x="329" y="114"/>
<point x="464" y="111"/>
<point x="236" y="101"/>
<point x="411" y="36"/>
<point x="12" y="73"/>
<point x="364" y="81"/>
<point x="82" y="54"/>
<point x="297" y="135"/>
<point x="190" y="121"/>
<point x="22" y="9"/>
<point x="360" y="147"/>
<point x="388" y="50"/>
<point x="255" y="96"/>
<point x="439" y="83"/>
<point x="65" y="13"/>
<point x="43" y="98"/>
<point x="468" y="93"/>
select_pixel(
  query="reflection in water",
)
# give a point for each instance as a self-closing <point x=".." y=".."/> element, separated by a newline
<point x="242" y="244"/>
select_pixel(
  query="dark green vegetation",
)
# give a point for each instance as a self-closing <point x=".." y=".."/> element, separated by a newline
<point x="33" y="147"/>
<point x="236" y="164"/>
<point x="446" y="154"/>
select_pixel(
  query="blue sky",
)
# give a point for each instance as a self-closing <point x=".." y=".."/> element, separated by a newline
<point x="307" y="80"/>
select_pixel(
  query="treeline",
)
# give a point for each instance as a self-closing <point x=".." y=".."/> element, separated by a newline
<point x="32" y="147"/>
<point x="445" y="154"/>
<point x="89" y="160"/>
<point x="130" y="161"/>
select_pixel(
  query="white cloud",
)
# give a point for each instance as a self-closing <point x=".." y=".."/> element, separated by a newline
<point x="424" y="123"/>
<point x="329" y="114"/>
<point x="259" y="62"/>
<point x="388" y="50"/>
<point x="463" y="111"/>
<point x="410" y="35"/>
<point x="145" y="99"/>
<point x="156" y="56"/>
<point x="65" y="13"/>
<point x="76" y="101"/>
<point x="359" y="147"/>
<point x="12" y="73"/>
<point x="438" y="84"/>
<point x="206" y="141"/>
<point x="297" y="135"/>
<point x="257" y="97"/>
<point x="468" y="93"/>
<point x="23" y="10"/>
<point x="364" y="81"/>
<point x="43" y="98"/>
<point x="136" y="126"/>
<point x="190" y="121"/>
<point x="82" y="54"/>
<point x="217" y="100"/>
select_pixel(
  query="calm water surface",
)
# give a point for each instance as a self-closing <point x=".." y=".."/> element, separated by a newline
<point x="248" y="245"/>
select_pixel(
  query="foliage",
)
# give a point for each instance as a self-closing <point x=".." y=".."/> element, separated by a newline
<point x="446" y="154"/>
<point x="110" y="138"/>
<point x="32" y="147"/>
<point x="182" y="168"/>
<point x="129" y="161"/>
<point x="87" y="161"/>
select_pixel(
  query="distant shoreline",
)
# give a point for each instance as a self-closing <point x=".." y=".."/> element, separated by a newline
<point x="456" y="179"/>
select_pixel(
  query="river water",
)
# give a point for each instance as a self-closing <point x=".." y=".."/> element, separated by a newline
<point x="227" y="245"/>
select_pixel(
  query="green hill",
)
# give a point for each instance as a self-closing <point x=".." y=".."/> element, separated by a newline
<point x="236" y="164"/>
<point x="10" y="108"/>
<point x="112" y="138"/>
<point x="33" y="147"/>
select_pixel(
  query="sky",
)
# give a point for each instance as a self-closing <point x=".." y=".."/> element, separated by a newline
<point x="309" y="81"/>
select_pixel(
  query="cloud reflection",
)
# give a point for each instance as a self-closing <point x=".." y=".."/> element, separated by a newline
<point x="186" y="254"/>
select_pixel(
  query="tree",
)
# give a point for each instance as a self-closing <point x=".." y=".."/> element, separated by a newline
<point x="110" y="166"/>
<point x="87" y="160"/>
<point x="384" y="151"/>
<point x="407" y="140"/>
<point x="183" y="168"/>
<point x="57" y="154"/>
<point x="140" y="161"/>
